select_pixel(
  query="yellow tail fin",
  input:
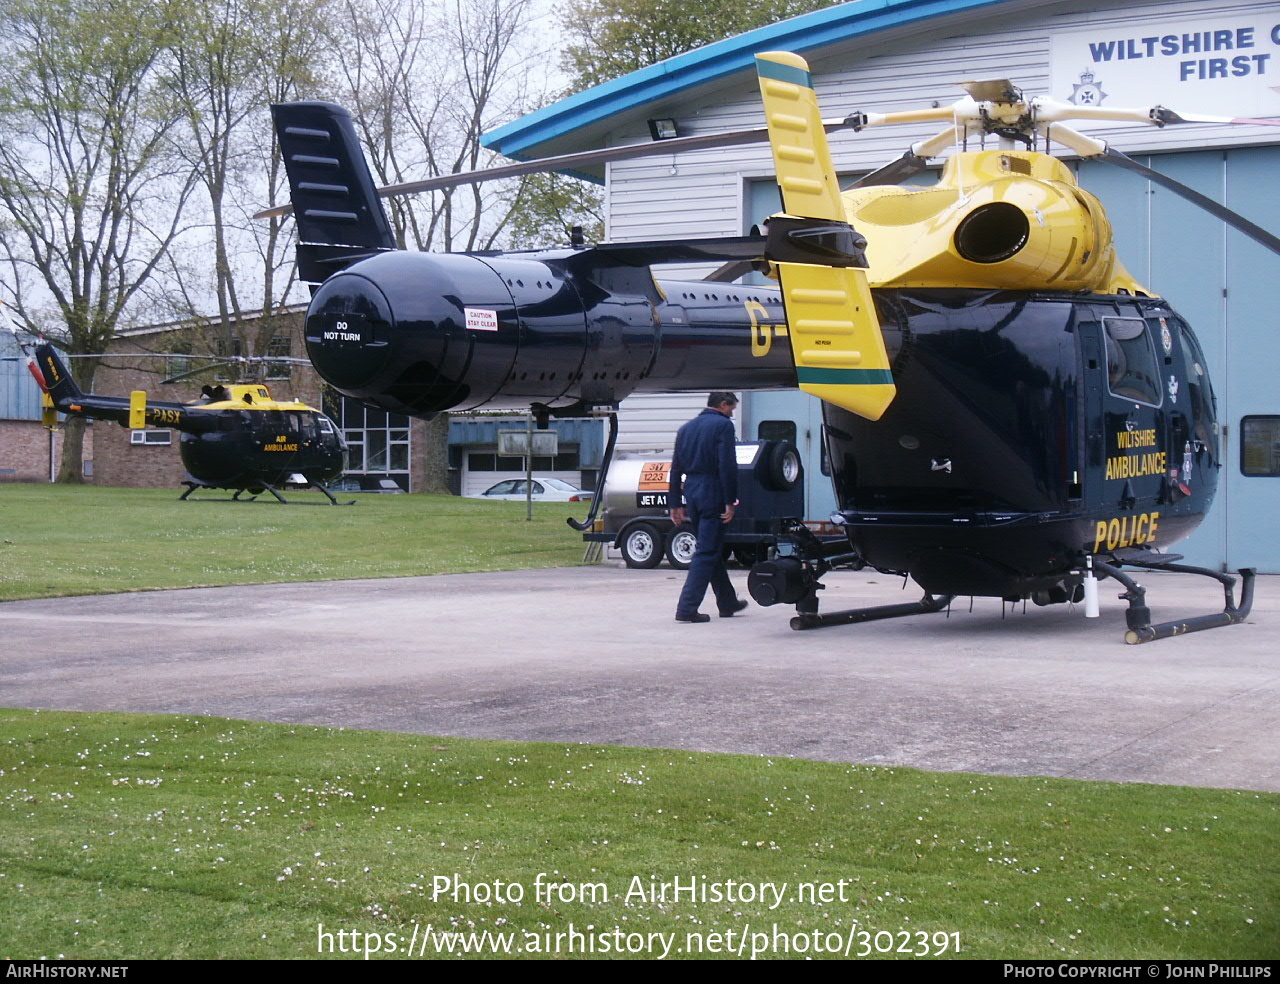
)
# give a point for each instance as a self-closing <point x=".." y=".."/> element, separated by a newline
<point x="138" y="409"/>
<point x="835" y="336"/>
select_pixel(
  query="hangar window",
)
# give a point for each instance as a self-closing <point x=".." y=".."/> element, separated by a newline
<point x="1260" y="446"/>
<point x="229" y="348"/>
<point x="179" y="361"/>
<point x="484" y="461"/>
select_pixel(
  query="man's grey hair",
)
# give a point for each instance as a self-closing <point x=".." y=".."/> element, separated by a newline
<point x="715" y="399"/>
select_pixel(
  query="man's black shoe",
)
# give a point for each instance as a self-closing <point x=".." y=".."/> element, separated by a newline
<point x="695" y="617"/>
<point x="739" y="605"/>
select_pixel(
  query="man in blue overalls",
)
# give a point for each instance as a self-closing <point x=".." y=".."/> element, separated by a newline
<point x="704" y="468"/>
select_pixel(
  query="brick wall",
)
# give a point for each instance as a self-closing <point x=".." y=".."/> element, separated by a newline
<point x="25" y="452"/>
<point x="139" y="466"/>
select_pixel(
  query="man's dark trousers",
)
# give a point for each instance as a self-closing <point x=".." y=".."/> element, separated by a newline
<point x="704" y="502"/>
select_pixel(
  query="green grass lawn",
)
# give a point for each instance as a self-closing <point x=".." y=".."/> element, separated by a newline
<point x="71" y="540"/>
<point x="130" y="837"/>
<point x="159" y="836"/>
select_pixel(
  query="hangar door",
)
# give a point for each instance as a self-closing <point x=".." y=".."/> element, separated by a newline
<point x="1224" y="284"/>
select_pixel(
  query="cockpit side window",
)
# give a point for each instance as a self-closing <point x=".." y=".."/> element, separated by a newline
<point x="1132" y="370"/>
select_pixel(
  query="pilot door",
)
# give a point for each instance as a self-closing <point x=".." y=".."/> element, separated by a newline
<point x="1148" y="429"/>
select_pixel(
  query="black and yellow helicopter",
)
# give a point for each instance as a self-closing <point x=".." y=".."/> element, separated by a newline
<point x="1007" y="411"/>
<point x="235" y="437"/>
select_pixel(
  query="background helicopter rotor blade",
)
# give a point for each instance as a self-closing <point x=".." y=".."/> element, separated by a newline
<point x="586" y="158"/>
<point x="1233" y="219"/>
<point x="180" y="377"/>
<point x="231" y="360"/>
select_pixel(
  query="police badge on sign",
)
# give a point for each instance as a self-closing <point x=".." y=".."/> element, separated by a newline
<point x="1088" y="91"/>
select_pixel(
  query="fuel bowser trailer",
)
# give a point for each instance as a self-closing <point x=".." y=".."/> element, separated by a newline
<point x="635" y="514"/>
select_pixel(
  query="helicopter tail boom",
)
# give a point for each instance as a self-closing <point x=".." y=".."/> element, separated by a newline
<point x="132" y="411"/>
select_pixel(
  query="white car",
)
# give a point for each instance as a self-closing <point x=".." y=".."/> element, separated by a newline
<point x="544" y="490"/>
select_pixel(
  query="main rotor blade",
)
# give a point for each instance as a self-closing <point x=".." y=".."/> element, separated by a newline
<point x="731" y="271"/>
<point x="1233" y="219"/>
<point x="893" y="173"/>
<point x="219" y="363"/>
<point x="569" y="162"/>
<point x="992" y="90"/>
<point x="1165" y="115"/>
<point x="915" y="160"/>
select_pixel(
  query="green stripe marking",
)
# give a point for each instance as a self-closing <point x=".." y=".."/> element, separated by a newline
<point x="783" y="73"/>
<point x="844" y="377"/>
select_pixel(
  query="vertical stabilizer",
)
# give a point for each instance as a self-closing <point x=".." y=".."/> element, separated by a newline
<point x="57" y="381"/>
<point x="835" y="334"/>
<point x="335" y="202"/>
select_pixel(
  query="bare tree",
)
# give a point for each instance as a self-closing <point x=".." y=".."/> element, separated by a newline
<point x="91" y="191"/>
<point x="233" y="59"/>
<point x="551" y="206"/>
<point x="424" y="84"/>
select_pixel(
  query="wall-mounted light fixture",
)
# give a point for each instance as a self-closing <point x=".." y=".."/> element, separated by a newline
<point x="663" y="129"/>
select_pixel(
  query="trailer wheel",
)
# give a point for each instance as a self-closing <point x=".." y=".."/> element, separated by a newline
<point x="681" y="545"/>
<point x="780" y="469"/>
<point x="642" y="546"/>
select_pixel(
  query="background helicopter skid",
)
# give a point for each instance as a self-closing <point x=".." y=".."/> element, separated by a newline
<point x="256" y="490"/>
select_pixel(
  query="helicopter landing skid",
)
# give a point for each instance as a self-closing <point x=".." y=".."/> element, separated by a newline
<point x="813" y="620"/>
<point x="193" y="486"/>
<point x="1138" y="615"/>
<point x="253" y="495"/>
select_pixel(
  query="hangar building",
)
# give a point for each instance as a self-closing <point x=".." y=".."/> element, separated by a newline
<point x="1219" y="58"/>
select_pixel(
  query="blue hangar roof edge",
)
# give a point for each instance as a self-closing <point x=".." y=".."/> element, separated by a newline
<point x="519" y="138"/>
